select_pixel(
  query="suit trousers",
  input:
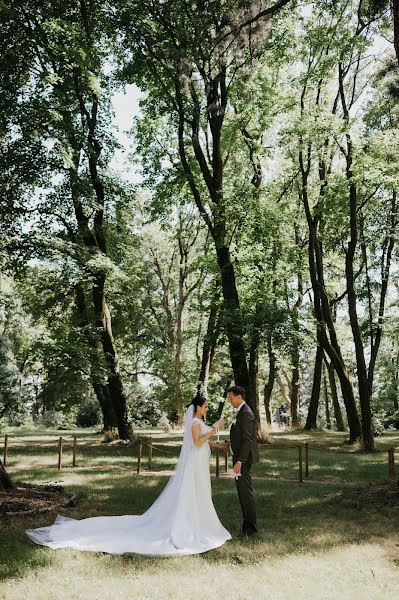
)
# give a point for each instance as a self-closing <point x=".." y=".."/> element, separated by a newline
<point x="247" y="499"/>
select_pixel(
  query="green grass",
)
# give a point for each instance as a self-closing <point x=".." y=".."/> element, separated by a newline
<point x="311" y="543"/>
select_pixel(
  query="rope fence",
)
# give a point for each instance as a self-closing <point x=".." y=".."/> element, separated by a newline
<point x="302" y="451"/>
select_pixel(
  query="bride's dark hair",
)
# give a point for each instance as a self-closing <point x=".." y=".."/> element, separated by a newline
<point x="198" y="400"/>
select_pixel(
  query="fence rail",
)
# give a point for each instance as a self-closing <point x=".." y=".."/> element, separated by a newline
<point x="303" y="451"/>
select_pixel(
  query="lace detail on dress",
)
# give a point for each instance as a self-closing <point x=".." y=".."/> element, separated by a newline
<point x="203" y="427"/>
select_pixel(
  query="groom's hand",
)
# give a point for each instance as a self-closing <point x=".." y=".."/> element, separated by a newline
<point x="237" y="468"/>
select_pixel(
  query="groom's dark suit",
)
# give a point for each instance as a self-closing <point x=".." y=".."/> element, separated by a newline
<point x="245" y="449"/>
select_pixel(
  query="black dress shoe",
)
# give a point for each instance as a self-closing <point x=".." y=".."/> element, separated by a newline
<point x="249" y="532"/>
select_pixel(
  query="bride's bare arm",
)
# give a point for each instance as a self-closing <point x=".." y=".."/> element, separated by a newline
<point x="197" y="438"/>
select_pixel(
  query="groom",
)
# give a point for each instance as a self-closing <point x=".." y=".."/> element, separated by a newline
<point x="245" y="453"/>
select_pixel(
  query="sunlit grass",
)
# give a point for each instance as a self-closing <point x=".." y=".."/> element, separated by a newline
<point x="310" y="544"/>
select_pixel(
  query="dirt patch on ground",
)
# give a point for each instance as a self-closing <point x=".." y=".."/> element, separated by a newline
<point x="386" y="494"/>
<point x="29" y="499"/>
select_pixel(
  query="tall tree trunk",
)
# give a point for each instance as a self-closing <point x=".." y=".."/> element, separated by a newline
<point x="395" y="362"/>
<point x="311" y="420"/>
<point x="6" y="483"/>
<point x="326" y="399"/>
<point x="223" y="402"/>
<point x="95" y="241"/>
<point x="254" y="373"/>
<point x="179" y="342"/>
<point x="211" y="167"/>
<point x="102" y="394"/>
<point x="103" y="322"/>
<point x="295" y="390"/>
<point x="386" y="259"/>
<point x="334" y="395"/>
<point x="295" y="385"/>
<point x="101" y="390"/>
<point x="326" y="332"/>
<point x="210" y="340"/>
<point x="233" y="323"/>
<point x="268" y="389"/>
<point x="362" y="374"/>
<point x="395" y="11"/>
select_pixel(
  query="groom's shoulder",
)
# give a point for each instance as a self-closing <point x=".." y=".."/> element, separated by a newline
<point x="247" y="409"/>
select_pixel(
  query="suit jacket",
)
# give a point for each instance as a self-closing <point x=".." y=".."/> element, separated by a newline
<point x="243" y="437"/>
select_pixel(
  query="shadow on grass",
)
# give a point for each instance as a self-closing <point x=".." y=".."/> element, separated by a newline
<point x="292" y="518"/>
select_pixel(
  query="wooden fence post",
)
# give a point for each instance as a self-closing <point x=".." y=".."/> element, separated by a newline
<point x="150" y="454"/>
<point x="300" y="464"/>
<point x="306" y="460"/>
<point x="5" y="450"/>
<point x="217" y="461"/>
<point x="139" y="451"/>
<point x="59" y="452"/>
<point x="225" y="460"/>
<point x="74" y="452"/>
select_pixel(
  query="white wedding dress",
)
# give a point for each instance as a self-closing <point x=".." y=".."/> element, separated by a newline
<point x="181" y="521"/>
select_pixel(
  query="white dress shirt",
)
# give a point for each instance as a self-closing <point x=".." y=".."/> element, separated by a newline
<point x="239" y="407"/>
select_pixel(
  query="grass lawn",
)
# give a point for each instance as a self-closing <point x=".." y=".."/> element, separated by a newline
<point x="316" y="541"/>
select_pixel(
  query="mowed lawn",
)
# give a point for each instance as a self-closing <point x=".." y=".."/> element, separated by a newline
<point x="326" y="538"/>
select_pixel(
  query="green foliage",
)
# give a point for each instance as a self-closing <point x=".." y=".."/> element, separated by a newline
<point x="60" y="65"/>
<point x="88" y="414"/>
<point x="10" y="381"/>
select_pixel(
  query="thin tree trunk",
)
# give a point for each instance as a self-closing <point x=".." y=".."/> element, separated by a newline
<point x="295" y="394"/>
<point x="323" y="314"/>
<point x="386" y="258"/>
<point x="334" y="395"/>
<point x="254" y="374"/>
<point x="223" y="402"/>
<point x="283" y="391"/>
<point x="395" y="11"/>
<point x="362" y="375"/>
<point x="210" y="340"/>
<point x="311" y="420"/>
<point x="326" y="399"/>
<point x="179" y="339"/>
<point x="326" y="333"/>
<point x="268" y="389"/>
<point x="295" y="384"/>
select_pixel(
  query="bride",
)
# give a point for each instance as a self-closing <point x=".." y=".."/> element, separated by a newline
<point x="182" y="520"/>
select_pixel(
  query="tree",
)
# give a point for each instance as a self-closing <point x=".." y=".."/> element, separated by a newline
<point x="66" y="94"/>
<point x="188" y="57"/>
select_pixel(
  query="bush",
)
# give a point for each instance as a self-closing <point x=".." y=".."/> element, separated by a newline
<point x="391" y="420"/>
<point x="144" y="407"/>
<point x="164" y="424"/>
<point x="54" y="419"/>
<point x="378" y="423"/>
<point x="89" y="414"/>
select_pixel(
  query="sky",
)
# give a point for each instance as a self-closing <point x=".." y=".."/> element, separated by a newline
<point x="126" y="108"/>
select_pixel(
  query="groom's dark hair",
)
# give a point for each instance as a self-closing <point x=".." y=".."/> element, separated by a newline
<point x="237" y="390"/>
